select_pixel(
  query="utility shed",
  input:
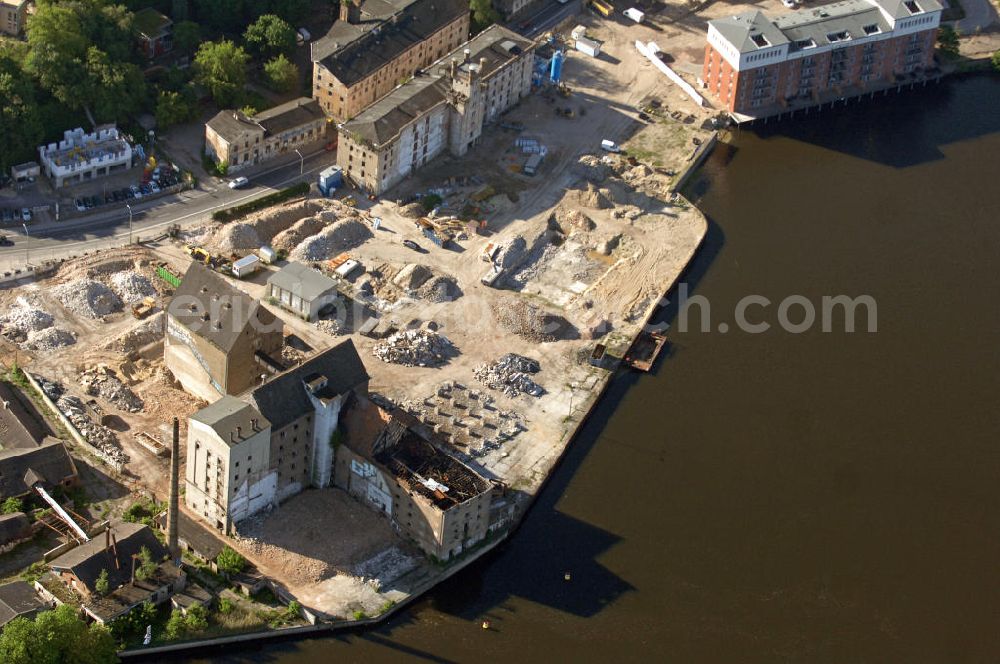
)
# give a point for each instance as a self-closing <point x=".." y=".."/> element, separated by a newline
<point x="19" y="600"/>
<point x="302" y="290"/>
<point x="48" y="464"/>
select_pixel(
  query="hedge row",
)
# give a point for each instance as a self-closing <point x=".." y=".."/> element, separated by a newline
<point x="230" y="214"/>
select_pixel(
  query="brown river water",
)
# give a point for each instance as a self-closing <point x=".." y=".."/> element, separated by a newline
<point x="778" y="496"/>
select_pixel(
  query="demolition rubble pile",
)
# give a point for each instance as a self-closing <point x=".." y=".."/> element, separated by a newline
<point x="328" y="325"/>
<point x="415" y="348"/>
<point x="439" y="289"/>
<point x="101" y="381"/>
<point x="527" y="321"/>
<point x="338" y="237"/>
<point x="511" y="374"/>
<point x="32" y="328"/>
<point x="131" y="286"/>
<point x="74" y="409"/>
<point x="149" y="331"/>
<point x="49" y="339"/>
<point x="87" y="298"/>
<point x="301" y="230"/>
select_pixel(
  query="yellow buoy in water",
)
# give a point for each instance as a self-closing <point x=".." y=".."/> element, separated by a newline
<point x="567" y="577"/>
<point x="486" y="624"/>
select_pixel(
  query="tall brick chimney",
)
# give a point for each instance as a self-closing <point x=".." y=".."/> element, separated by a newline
<point x="350" y="11"/>
<point x="172" y="506"/>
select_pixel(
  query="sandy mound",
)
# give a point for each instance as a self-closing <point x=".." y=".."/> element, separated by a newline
<point x="339" y="237"/>
<point x="290" y="238"/>
<point x="412" y="276"/>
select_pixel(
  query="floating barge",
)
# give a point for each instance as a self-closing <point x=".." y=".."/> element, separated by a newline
<point x="645" y="349"/>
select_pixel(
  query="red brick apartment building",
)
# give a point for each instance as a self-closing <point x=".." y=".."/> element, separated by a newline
<point x="757" y="66"/>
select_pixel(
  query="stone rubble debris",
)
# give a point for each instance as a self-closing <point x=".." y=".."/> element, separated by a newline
<point x="149" y="331"/>
<point x="132" y="286"/>
<point x="439" y="289"/>
<point x="329" y="326"/>
<point x="75" y="410"/>
<point x="511" y="375"/>
<point x="101" y="381"/>
<point x="88" y="298"/>
<point x="23" y="318"/>
<point x="338" y="237"/>
<point x="528" y="321"/>
<point x="415" y="348"/>
<point x="51" y="338"/>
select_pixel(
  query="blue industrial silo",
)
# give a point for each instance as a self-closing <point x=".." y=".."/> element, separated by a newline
<point x="555" y="73"/>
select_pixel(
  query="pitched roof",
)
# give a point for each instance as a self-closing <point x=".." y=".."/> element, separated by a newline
<point x="352" y="51"/>
<point x="17" y="599"/>
<point x="150" y="23"/>
<point x="13" y="527"/>
<point x="19" y="468"/>
<point x="285" y="399"/>
<point x="744" y="31"/>
<point x="20" y="423"/>
<point x="302" y="280"/>
<point x="231" y="419"/>
<point x="90" y="558"/>
<point x="383" y="120"/>
<point x="289" y="115"/>
<point x="209" y="307"/>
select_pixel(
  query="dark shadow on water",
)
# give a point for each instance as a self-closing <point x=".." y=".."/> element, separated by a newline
<point x="898" y="129"/>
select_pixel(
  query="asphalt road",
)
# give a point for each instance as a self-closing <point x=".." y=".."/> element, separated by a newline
<point x="109" y="228"/>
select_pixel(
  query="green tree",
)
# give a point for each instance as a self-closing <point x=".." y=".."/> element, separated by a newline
<point x="103" y="585"/>
<point x="948" y="40"/>
<point x="220" y="15"/>
<point x="12" y="504"/>
<point x="187" y="36"/>
<point x="996" y="60"/>
<point x="173" y="108"/>
<point x="230" y="562"/>
<point x="145" y="565"/>
<point x="221" y="67"/>
<point x="282" y="74"/>
<point x="176" y="625"/>
<point x="483" y="13"/>
<point x="118" y="89"/>
<point x="196" y="619"/>
<point x="55" y="637"/>
<point x="61" y="37"/>
<point x="269" y="36"/>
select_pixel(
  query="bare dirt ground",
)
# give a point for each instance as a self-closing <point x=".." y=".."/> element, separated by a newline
<point x="314" y="544"/>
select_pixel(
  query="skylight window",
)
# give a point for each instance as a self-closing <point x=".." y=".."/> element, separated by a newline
<point x="872" y="29"/>
<point x="805" y="43"/>
<point x="760" y="40"/>
<point x="835" y="37"/>
<point x="913" y="7"/>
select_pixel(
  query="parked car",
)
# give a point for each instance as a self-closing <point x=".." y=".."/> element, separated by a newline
<point x="410" y="244"/>
<point x="610" y="146"/>
<point x="788" y="3"/>
<point x="239" y="183"/>
<point x="154" y="187"/>
<point x="25" y="214"/>
<point x="5" y="242"/>
<point x="79" y="205"/>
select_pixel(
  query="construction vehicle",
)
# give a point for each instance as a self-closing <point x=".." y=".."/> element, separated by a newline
<point x="349" y="200"/>
<point x="605" y="9"/>
<point x="144" y="307"/>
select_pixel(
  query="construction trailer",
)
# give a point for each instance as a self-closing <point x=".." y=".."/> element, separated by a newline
<point x="531" y="166"/>
<point x="634" y="14"/>
<point x="605" y="9"/>
<point x="588" y="46"/>
<point x="246" y="266"/>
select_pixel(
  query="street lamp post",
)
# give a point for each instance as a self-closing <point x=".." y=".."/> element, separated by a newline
<point x="129" y="208"/>
<point x="302" y="162"/>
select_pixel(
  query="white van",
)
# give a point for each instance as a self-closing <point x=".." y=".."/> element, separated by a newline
<point x="610" y="146"/>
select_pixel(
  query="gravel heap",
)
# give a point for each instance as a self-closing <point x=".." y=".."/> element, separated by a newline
<point x="141" y="335"/>
<point x="103" y="382"/>
<point x="511" y="252"/>
<point x="412" y="211"/>
<point x="22" y="319"/>
<point x="573" y="219"/>
<point x="510" y="375"/>
<point x="237" y="236"/>
<point x="592" y="168"/>
<point x="131" y="286"/>
<point x="329" y="326"/>
<point x="290" y="238"/>
<point x="88" y="298"/>
<point x="412" y="276"/>
<point x="73" y="408"/>
<point x="528" y="321"/>
<point x="336" y="238"/>
<point x="49" y="339"/>
<point x="415" y="348"/>
<point x="440" y="289"/>
<point x="593" y="197"/>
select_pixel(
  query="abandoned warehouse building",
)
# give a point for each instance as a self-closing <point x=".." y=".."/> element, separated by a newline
<point x="389" y="462"/>
<point x="247" y="454"/>
<point x="219" y="340"/>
